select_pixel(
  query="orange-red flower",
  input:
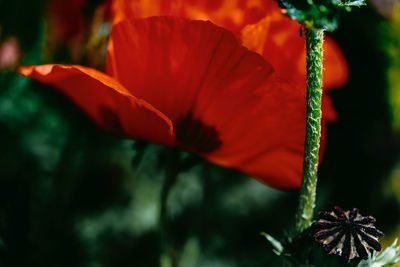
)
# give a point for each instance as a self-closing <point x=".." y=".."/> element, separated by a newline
<point x="191" y="84"/>
<point x="262" y="27"/>
<point x="260" y="24"/>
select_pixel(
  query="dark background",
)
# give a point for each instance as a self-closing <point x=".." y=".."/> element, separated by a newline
<point x="73" y="195"/>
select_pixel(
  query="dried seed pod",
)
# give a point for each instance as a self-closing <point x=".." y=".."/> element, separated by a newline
<point x="347" y="233"/>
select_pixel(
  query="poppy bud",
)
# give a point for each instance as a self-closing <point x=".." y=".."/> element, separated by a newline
<point x="347" y="233"/>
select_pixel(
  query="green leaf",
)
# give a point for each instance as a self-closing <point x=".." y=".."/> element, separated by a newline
<point x="387" y="257"/>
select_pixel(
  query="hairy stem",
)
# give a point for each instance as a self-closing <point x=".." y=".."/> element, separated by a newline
<point x="314" y="40"/>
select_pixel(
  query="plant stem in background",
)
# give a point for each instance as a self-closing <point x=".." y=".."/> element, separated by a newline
<point x="314" y="40"/>
<point x="171" y="173"/>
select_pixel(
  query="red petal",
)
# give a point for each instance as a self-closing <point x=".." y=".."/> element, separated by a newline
<point x="336" y="70"/>
<point x="265" y="30"/>
<point x="278" y="39"/>
<point x="193" y="67"/>
<point x="106" y="101"/>
<point x="230" y="14"/>
<point x="169" y="62"/>
<point x="262" y="128"/>
<point x="328" y="110"/>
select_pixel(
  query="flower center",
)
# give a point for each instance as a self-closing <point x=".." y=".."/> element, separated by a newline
<point x="195" y="136"/>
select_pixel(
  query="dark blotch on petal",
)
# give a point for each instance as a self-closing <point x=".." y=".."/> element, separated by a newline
<point x="110" y="119"/>
<point x="195" y="136"/>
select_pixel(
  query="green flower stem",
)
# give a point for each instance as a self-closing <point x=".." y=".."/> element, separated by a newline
<point x="171" y="174"/>
<point x="314" y="40"/>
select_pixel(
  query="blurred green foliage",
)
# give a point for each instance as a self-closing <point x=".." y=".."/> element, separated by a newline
<point x="72" y="195"/>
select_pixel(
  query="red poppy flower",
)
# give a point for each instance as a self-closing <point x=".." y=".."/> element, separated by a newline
<point x="192" y="85"/>
<point x="261" y="26"/>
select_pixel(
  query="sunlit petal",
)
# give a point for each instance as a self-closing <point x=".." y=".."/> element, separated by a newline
<point x="106" y="101"/>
